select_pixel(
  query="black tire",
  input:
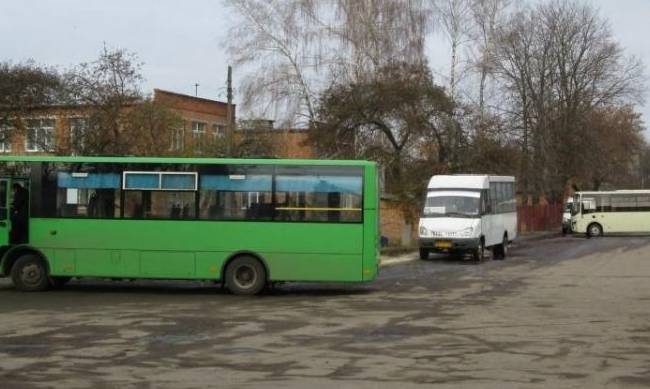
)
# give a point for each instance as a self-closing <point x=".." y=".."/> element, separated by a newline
<point x="479" y="253"/>
<point x="500" y="251"/>
<point x="594" y="230"/>
<point x="245" y="276"/>
<point x="424" y="254"/>
<point x="30" y="274"/>
<point x="59" y="282"/>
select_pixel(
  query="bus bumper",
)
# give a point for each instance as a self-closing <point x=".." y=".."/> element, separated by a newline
<point x="450" y="244"/>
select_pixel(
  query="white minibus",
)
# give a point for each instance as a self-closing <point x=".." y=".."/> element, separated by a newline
<point x="468" y="214"/>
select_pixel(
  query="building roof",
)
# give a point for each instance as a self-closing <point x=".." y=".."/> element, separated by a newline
<point x="185" y="102"/>
<point x="184" y="96"/>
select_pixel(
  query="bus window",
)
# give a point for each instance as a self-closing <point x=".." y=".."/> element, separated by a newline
<point x="236" y="196"/>
<point x="160" y="195"/>
<point x="89" y="195"/>
<point x="624" y="203"/>
<point x="319" y="198"/>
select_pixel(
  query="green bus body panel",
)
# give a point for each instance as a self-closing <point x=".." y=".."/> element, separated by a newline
<point x="198" y="249"/>
<point x="192" y="249"/>
<point x="371" y="224"/>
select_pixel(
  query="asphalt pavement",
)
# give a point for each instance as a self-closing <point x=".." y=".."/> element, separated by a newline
<point x="559" y="312"/>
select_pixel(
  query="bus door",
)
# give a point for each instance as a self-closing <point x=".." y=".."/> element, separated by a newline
<point x="5" y="222"/>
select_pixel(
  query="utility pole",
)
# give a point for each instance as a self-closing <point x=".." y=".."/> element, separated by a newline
<point x="230" y="126"/>
<point x="196" y="89"/>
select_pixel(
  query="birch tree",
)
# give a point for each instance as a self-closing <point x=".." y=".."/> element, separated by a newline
<point x="294" y="49"/>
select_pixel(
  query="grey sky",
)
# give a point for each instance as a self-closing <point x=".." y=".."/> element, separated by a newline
<point x="179" y="42"/>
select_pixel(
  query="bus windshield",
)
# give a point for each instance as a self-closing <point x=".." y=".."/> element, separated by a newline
<point x="575" y="206"/>
<point x="451" y="205"/>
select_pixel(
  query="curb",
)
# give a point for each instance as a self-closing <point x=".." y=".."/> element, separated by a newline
<point x="538" y="236"/>
<point x="390" y="261"/>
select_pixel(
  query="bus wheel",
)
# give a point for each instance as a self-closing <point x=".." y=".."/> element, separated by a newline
<point x="594" y="229"/>
<point x="245" y="276"/>
<point x="59" y="282"/>
<point x="29" y="274"/>
<point x="501" y="251"/>
<point x="479" y="253"/>
<point x="424" y="254"/>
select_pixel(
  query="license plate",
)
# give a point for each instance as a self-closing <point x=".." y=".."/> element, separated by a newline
<point x="443" y="244"/>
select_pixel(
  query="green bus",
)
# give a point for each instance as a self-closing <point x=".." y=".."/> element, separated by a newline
<point x="245" y="223"/>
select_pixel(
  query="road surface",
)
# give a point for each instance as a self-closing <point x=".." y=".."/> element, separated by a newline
<point x="561" y="312"/>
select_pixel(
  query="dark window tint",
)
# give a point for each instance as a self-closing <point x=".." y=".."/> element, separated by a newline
<point x="316" y="196"/>
<point x="3" y="200"/>
<point x="236" y="195"/>
<point x="91" y="195"/>
<point x="159" y="205"/>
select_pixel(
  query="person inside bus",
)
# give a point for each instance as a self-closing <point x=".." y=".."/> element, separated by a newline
<point x="19" y="214"/>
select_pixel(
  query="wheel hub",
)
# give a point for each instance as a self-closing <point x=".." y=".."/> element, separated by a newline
<point x="31" y="274"/>
<point x="245" y="276"/>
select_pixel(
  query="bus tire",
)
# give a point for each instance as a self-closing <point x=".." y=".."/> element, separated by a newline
<point x="424" y="254"/>
<point x="500" y="251"/>
<point x="594" y="230"/>
<point x="59" y="282"/>
<point x="30" y="274"/>
<point x="245" y="275"/>
<point x="479" y="253"/>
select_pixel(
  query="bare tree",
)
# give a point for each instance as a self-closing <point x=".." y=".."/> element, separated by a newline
<point x="558" y="62"/>
<point x="455" y="23"/>
<point x="105" y="88"/>
<point x="284" y="52"/>
<point x="293" y="48"/>
<point x="373" y="34"/>
<point x="24" y="87"/>
<point x="148" y="128"/>
<point x="487" y="16"/>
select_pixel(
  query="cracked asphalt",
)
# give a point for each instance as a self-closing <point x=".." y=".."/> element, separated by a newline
<point x="559" y="312"/>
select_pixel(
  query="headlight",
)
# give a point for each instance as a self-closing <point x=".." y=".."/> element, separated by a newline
<point x="424" y="232"/>
<point x="467" y="231"/>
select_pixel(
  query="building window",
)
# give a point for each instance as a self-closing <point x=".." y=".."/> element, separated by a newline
<point x="198" y="134"/>
<point x="218" y="131"/>
<point x="40" y="135"/>
<point x="78" y="129"/>
<point x="178" y="137"/>
<point x="5" y="138"/>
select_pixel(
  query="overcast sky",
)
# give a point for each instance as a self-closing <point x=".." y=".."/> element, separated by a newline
<point x="180" y="42"/>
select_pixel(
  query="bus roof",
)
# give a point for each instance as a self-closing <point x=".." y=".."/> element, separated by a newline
<point x="172" y="160"/>
<point x="466" y="181"/>
<point x="622" y="191"/>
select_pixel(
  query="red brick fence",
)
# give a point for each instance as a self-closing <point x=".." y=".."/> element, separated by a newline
<point x="540" y="217"/>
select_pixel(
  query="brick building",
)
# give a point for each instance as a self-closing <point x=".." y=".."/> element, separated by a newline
<point x="203" y="120"/>
<point x="48" y="129"/>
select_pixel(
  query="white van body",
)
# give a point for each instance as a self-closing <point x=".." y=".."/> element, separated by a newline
<point x="468" y="213"/>
<point x="566" y="216"/>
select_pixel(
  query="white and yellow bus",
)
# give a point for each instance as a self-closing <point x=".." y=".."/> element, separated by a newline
<point x="621" y="211"/>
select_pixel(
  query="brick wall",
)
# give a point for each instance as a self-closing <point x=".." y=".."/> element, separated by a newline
<point x="195" y="105"/>
<point x="394" y="225"/>
<point x="292" y="144"/>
